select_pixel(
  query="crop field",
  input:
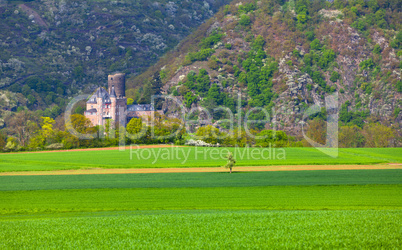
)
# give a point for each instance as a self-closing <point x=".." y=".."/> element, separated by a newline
<point x="184" y="157"/>
<point x="363" y="229"/>
<point x="288" y="209"/>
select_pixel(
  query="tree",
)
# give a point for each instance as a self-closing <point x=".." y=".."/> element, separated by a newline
<point x="47" y="127"/>
<point x="317" y="130"/>
<point x="334" y="76"/>
<point x="3" y="141"/>
<point x="156" y="89"/>
<point x="231" y="162"/>
<point x="208" y="134"/>
<point x="24" y="125"/>
<point x="315" y="44"/>
<point x="130" y="101"/>
<point x="351" y="137"/>
<point x="377" y="135"/>
<point x="258" y="43"/>
<point x="80" y="123"/>
<point x="274" y="138"/>
<point x="134" y="126"/>
<point x="244" y="20"/>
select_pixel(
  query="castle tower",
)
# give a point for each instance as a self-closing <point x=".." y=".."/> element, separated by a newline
<point x="118" y="81"/>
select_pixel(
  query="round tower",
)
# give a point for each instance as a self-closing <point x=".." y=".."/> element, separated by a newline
<point x="118" y="81"/>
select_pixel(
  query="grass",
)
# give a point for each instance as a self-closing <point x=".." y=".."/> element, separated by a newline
<point x="199" y="180"/>
<point x="269" y="197"/>
<point x="208" y="229"/>
<point x="191" y="157"/>
<point x="304" y="209"/>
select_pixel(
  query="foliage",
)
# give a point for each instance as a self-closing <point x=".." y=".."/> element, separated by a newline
<point x="231" y="162"/>
<point x="58" y="64"/>
<point x="315" y="44"/>
<point x="399" y="86"/>
<point x="244" y="20"/>
<point x="209" y="134"/>
<point x="377" y="49"/>
<point x="201" y="55"/>
<point x="211" y="40"/>
<point x="351" y="137"/>
<point x="135" y="126"/>
<point x="270" y="138"/>
<point x="351" y="117"/>
<point x="377" y="135"/>
<point x="335" y="76"/>
<point x="367" y="64"/>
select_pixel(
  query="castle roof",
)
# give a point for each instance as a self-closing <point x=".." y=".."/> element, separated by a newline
<point x="100" y="93"/>
<point x="141" y="107"/>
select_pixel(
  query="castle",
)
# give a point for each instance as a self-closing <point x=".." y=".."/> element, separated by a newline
<point x="112" y="104"/>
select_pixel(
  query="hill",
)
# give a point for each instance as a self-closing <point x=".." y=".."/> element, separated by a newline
<point x="50" y="50"/>
<point x="289" y="55"/>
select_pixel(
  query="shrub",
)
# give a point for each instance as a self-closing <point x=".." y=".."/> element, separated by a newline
<point x="367" y="64"/>
<point x="310" y="35"/>
<point x="399" y="86"/>
<point x="245" y="20"/>
<point x="335" y="76"/>
<point x="377" y="49"/>
<point x="202" y="55"/>
<point x="315" y="44"/>
<point x="327" y="57"/>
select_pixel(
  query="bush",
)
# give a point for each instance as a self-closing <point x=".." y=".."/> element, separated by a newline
<point x="310" y="35"/>
<point x="245" y="20"/>
<point x="335" y="76"/>
<point x="315" y="44"/>
<point x="399" y="86"/>
<point x="377" y="49"/>
<point x="367" y="64"/>
<point x="202" y="55"/>
<point x="327" y="57"/>
<point x="210" y="41"/>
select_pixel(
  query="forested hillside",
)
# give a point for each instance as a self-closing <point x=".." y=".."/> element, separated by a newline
<point x="282" y="56"/>
<point x="289" y="55"/>
<point x="53" y="49"/>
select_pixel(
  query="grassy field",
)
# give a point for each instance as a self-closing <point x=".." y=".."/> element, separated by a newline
<point x="353" y="189"/>
<point x="201" y="180"/>
<point x="207" y="229"/>
<point x="290" y="209"/>
<point x="273" y="198"/>
<point x="191" y="157"/>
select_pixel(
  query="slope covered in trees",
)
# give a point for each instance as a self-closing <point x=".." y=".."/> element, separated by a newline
<point x="50" y="50"/>
<point x="288" y="56"/>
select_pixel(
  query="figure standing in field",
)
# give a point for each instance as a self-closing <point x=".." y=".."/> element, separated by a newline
<point x="231" y="162"/>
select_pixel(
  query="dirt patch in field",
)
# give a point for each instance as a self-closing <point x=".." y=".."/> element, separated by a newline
<point x="205" y="170"/>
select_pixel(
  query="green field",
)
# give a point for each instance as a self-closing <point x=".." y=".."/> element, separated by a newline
<point x="290" y="209"/>
<point x="208" y="229"/>
<point x="201" y="180"/>
<point x="192" y="157"/>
